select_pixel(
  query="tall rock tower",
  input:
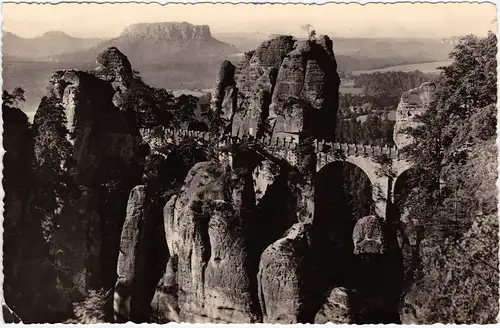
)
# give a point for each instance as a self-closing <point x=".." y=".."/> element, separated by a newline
<point x="285" y="88"/>
<point x="413" y="103"/>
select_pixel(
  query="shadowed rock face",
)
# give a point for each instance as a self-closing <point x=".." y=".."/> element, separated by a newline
<point x="24" y="249"/>
<point x="284" y="87"/>
<point x="143" y="249"/>
<point x="225" y="95"/>
<point x="105" y="157"/>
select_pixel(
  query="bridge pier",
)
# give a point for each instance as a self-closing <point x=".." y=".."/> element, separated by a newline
<point x="381" y="195"/>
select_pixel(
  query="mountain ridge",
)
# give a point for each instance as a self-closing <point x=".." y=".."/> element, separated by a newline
<point x="141" y="41"/>
<point x="45" y="46"/>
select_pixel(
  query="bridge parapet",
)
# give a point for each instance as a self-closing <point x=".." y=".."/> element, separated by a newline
<point x="356" y="149"/>
<point x="277" y="142"/>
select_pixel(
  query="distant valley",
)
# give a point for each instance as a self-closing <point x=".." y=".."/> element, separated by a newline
<point x="182" y="56"/>
<point x="45" y="47"/>
<point x="430" y="67"/>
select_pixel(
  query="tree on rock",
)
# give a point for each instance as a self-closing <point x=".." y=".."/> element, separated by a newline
<point x="457" y="228"/>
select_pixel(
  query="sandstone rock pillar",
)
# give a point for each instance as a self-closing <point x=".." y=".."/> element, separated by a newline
<point x="127" y="257"/>
<point x="284" y="277"/>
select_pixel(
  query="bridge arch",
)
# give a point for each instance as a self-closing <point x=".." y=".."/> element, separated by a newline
<point x="372" y="168"/>
<point x="342" y="195"/>
<point x="357" y="186"/>
<point x="403" y="185"/>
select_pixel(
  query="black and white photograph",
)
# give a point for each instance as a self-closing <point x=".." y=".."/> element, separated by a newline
<point x="225" y="163"/>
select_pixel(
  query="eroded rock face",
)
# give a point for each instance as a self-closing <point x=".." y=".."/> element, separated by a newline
<point x="264" y="175"/>
<point x="165" y="303"/>
<point x="205" y="231"/>
<point x="285" y="88"/>
<point x="256" y="78"/>
<point x="103" y="157"/>
<point x="24" y="248"/>
<point x="368" y="237"/>
<point x="224" y="95"/>
<point x="305" y="99"/>
<point x="115" y="68"/>
<point x="284" y="277"/>
<point x="337" y="308"/>
<point x="413" y="103"/>
<point x="127" y="258"/>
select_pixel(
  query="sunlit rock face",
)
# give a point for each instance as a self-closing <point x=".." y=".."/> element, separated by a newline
<point x="209" y="277"/>
<point x="256" y="77"/>
<point x="305" y="99"/>
<point x="413" y="103"/>
<point x="338" y="308"/>
<point x="284" y="277"/>
<point x="283" y="88"/>
<point x="368" y="237"/>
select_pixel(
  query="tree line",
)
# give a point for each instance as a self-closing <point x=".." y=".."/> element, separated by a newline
<point x="452" y="202"/>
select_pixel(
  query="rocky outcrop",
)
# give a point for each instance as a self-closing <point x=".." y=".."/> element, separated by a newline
<point x="24" y="248"/>
<point x="127" y="258"/>
<point x="225" y="96"/>
<point x="338" y="308"/>
<point x="115" y="68"/>
<point x="284" y="277"/>
<point x="264" y="176"/>
<point x="305" y="99"/>
<point x="175" y="31"/>
<point x="91" y="149"/>
<point x="256" y="78"/>
<point x="377" y="271"/>
<point x="205" y="225"/>
<point x="413" y="103"/>
<point x="17" y="171"/>
<point x="175" y="42"/>
<point x="287" y="88"/>
<point x="143" y="247"/>
<point x="165" y="303"/>
<point x="368" y="236"/>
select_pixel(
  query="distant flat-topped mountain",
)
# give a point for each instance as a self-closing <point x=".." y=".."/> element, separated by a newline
<point x="44" y="47"/>
<point x="158" y="42"/>
<point x="154" y="42"/>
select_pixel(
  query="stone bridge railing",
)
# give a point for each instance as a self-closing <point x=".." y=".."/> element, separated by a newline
<point x="362" y="156"/>
<point x="284" y="143"/>
<point x="356" y="149"/>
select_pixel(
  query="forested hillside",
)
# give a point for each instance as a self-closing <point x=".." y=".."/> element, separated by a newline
<point x="451" y="213"/>
<point x="368" y="118"/>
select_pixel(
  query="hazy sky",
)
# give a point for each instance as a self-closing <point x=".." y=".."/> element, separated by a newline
<point x="397" y="20"/>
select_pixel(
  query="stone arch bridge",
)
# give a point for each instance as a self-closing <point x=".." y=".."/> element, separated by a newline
<point x="381" y="164"/>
